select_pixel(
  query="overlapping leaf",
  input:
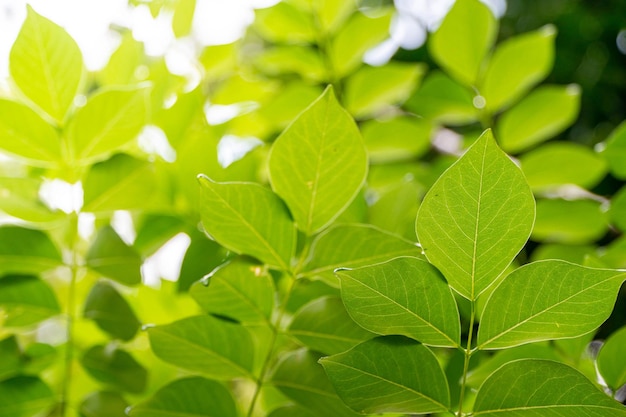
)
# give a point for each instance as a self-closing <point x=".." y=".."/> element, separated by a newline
<point x="113" y="258"/>
<point x="26" y="300"/>
<point x="111" y="312"/>
<point x="26" y="251"/>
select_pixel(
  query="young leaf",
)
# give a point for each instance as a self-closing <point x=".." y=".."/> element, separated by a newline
<point x="548" y="300"/>
<point x="203" y="256"/>
<point x="24" y="396"/>
<point x="318" y="164"/>
<point x="241" y="290"/>
<point x="351" y="246"/>
<point x="46" y="65"/>
<point x="615" y="151"/>
<point x="324" y="325"/>
<point x="190" y="397"/>
<point x="534" y="388"/>
<point x="285" y="23"/>
<point x="544" y="113"/>
<point x="204" y="344"/>
<point x="611" y="359"/>
<point x="248" y="218"/>
<point x="397" y="139"/>
<point x="113" y="258"/>
<point x="26" y="251"/>
<point x="570" y="221"/>
<point x="463" y="39"/>
<point x="103" y="404"/>
<point x="389" y="375"/>
<point x="26" y="300"/>
<point x="11" y="358"/>
<point x="111" y="312"/>
<point x="115" y="367"/>
<point x="476" y="218"/>
<point x="405" y="296"/>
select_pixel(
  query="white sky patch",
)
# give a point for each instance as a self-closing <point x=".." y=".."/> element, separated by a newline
<point x="217" y="114"/>
<point x="153" y="141"/>
<point x="124" y="226"/>
<point x="60" y="195"/>
<point x="232" y="148"/>
<point x="166" y="262"/>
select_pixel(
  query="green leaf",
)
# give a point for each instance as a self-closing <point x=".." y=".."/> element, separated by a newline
<point x="476" y="218"/>
<point x="46" y="65"/>
<point x="24" y="396"/>
<point x="290" y="101"/>
<point x="113" y="258"/>
<point x="26" y="251"/>
<point x="25" y="134"/>
<point x="119" y="183"/>
<point x="544" y="113"/>
<point x="203" y="256"/>
<point x="109" y="120"/>
<point x="318" y="164"/>
<point x="204" y="344"/>
<point x="111" y="312"/>
<point x="154" y="230"/>
<point x="115" y="367"/>
<point x="11" y="357"/>
<point x="26" y="300"/>
<point x="21" y="200"/>
<point x="189" y="397"/>
<point x="405" y="296"/>
<point x="537" y="388"/>
<point x="183" y="17"/>
<point x="248" y="218"/>
<point x="389" y="375"/>
<point x="241" y="290"/>
<point x="302" y="379"/>
<point x="292" y="59"/>
<point x="548" y="300"/>
<point x="285" y="23"/>
<point x="569" y="221"/>
<point x="562" y="163"/>
<point x="122" y="66"/>
<point x="516" y="66"/>
<point x="610" y="359"/>
<point x="291" y="411"/>
<point x="617" y="210"/>
<point x="400" y="138"/>
<point x="103" y="404"/>
<point x="615" y="151"/>
<point x="465" y="36"/>
<point x="324" y="325"/>
<point x="330" y="14"/>
<point x="351" y="246"/>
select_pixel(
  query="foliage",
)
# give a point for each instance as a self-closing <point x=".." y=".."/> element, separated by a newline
<point x="303" y="290"/>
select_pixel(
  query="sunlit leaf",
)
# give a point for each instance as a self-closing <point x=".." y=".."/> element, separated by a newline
<point x="615" y="151"/>
<point x="284" y="23"/>
<point x="290" y="411"/>
<point x="103" y="404"/>
<point x="183" y="17"/>
<point x="115" y="367"/>
<point x="400" y="138"/>
<point x="610" y="359"/>
<point x="203" y="256"/>
<point x="21" y="200"/>
<point x="113" y="258"/>
<point x="26" y="251"/>
<point x="122" y="66"/>
<point x="569" y="221"/>
<point x="26" y="300"/>
<point x="24" y="396"/>
<point x="111" y="312"/>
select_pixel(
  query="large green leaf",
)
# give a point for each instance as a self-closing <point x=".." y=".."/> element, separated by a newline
<point x="319" y="163"/>
<point x="46" y="65"/>
<point x="103" y="404"/>
<point x="516" y="66"/>
<point x="546" y="300"/>
<point x="466" y="34"/>
<point x="189" y="397"/>
<point x="111" y="312"/>
<point x="476" y="218"/>
<point x="204" y="344"/>
<point x="25" y="134"/>
<point x="544" y="113"/>
<point x="241" y="290"/>
<point x="109" y="120"/>
<point x="351" y="246"/>
<point x="115" y="367"/>
<point x="389" y="375"/>
<point x="26" y="300"/>
<point x="405" y="296"/>
<point x="248" y="218"/>
<point x="26" y="251"/>
<point x="538" y="388"/>
<point x="610" y="359"/>
<point x="113" y="258"/>
<point x="324" y="325"/>
<point x="24" y="396"/>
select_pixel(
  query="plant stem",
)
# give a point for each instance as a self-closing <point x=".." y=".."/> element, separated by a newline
<point x="468" y="354"/>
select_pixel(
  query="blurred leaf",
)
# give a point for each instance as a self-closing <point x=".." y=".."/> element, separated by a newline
<point x="219" y="60"/>
<point x="37" y="357"/>
<point x="26" y="251"/>
<point x="290" y="411"/>
<point x="203" y="256"/>
<point x="399" y="138"/>
<point x="329" y="15"/>
<point x="154" y="230"/>
<point x="26" y="300"/>
<point x="318" y="164"/>
<point x="465" y="36"/>
<point x="395" y="207"/>
<point x="284" y="23"/>
<point x="544" y="113"/>
<point x="113" y="258"/>
<point x="610" y="359"/>
<point x="122" y="68"/>
<point x="115" y="367"/>
<point x="103" y="404"/>
<point x="46" y="64"/>
<point x="183" y="17"/>
<point x="11" y="357"/>
<point x="617" y="210"/>
<point x="289" y="103"/>
<point x="292" y="59"/>
<point x="615" y="151"/>
<point x="24" y="396"/>
<point x="572" y="253"/>
<point x="389" y="375"/>
<point x="21" y="200"/>
<point x="572" y="222"/>
<point x="111" y="312"/>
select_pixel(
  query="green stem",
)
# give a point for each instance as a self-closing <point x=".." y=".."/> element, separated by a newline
<point x="468" y="354"/>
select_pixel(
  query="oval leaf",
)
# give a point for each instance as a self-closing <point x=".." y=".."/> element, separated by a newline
<point x="548" y="300"/>
<point x="24" y="396"/>
<point x="26" y="300"/>
<point x="115" y="367"/>
<point x="26" y="251"/>
<point x="476" y="218"/>
<point x="111" y="311"/>
<point x="570" y="221"/>
<point x="113" y="258"/>
<point x="611" y="362"/>
<point x="103" y="404"/>
<point x="615" y="151"/>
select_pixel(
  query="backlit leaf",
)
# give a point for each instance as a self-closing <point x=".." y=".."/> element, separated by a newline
<point x="569" y="221"/>
<point x="284" y="23"/>
<point x="400" y="138"/>
<point x="115" y="367"/>
<point x="113" y="258"/>
<point x="24" y="396"/>
<point x="103" y="404"/>
<point x="610" y="359"/>
<point x="26" y="251"/>
<point x="26" y="300"/>
<point x="21" y="200"/>
<point x="111" y="312"/>
<point x="203" y="256"/>
<point x="615" y="151"/>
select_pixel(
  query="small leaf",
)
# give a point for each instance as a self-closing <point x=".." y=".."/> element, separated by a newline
<point x="103" y="404"/>
<point x="26" y="251"/>
<point x="318" y="164"/>
<point x="111" y="311"/>
<point x="204" y="344"/>
<point x="154" y="230"/>
<point x="548" y="300"/>
<point x="46" y="64"/>
<point x="351" y="246"/>
<point x="389" y="375"/>
<point x="191" y="397"/>
<point x="400" y="138"/>
<point x="466" y="34"/>
<point x="324" y="325"/>
<point x="405" y="296"/>
<point x="26" y="300"/>
<point x="285" y="23"/>
<point x="570" y="221"/>
<point x="544" y="113"/>
<point x="535" y="388"/>
<point x="24" y="396"/>
<point x="476" y="218"/>
<point x="113" y="258"/>
<point x="617" y="209"/>
<point x="241" y="290"/>
<point x="615" y="151"/>
<point x="203" y="256"/>
<point x="115" y="367"/>
<point x="248" y="218"/>
<point x="611" y="359"/>
<point x="11" y="357"/>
